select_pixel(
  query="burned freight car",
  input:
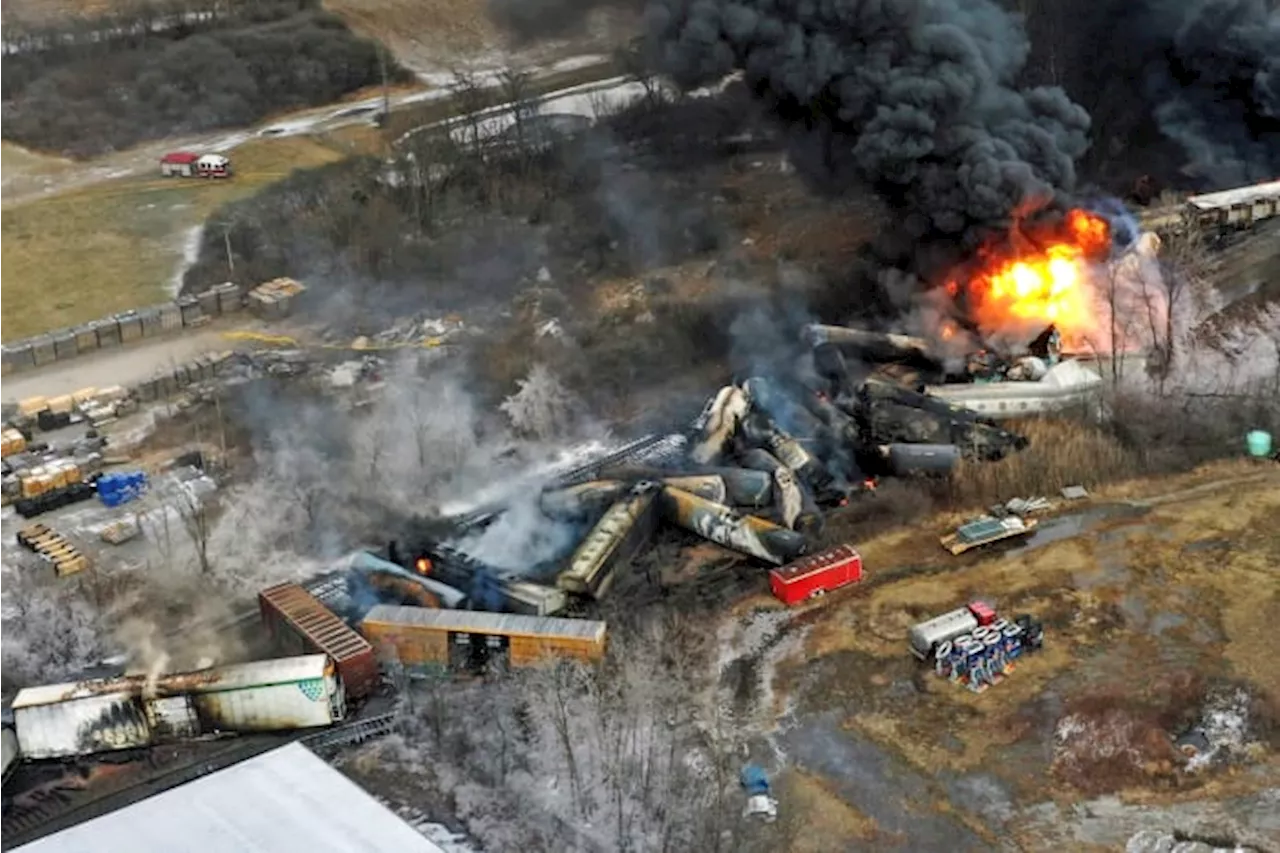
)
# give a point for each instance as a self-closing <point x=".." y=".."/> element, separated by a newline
<point x="298" y="624"/>
<point x="104" y="715"/>
<point x="614" y="540"/>
<point x="424" y="640"/>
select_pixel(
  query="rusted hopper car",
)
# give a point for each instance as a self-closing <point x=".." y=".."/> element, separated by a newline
<point x="421" y="639"/>
<point x="299" y="624"/>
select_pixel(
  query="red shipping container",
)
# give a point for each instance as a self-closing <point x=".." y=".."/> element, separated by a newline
<point x="983" y="612"/>
<point x="820" y="573"/>
<point x="299" y="622"/>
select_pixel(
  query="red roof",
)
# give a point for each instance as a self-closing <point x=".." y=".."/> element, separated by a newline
<point x="180" y="157"/>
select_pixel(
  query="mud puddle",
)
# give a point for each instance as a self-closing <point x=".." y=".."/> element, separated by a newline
<point x="882" y="787"/>
<point x="1074" y="524"/>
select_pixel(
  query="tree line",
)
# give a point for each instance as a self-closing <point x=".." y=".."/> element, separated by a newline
<point x="107" y="84"/>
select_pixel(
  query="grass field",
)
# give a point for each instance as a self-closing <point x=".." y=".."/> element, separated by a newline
<point x="116" y="245"/>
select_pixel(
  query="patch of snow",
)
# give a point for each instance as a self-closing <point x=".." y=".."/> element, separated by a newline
<point x="574" y="63"/>
<point x="190" y="252"/>
<point x="1225" y="725"/>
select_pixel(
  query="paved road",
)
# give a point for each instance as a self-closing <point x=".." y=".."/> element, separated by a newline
<point x="122" y="366"/>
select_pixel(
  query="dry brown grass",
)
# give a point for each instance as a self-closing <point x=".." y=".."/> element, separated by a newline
<point x="822" y="819"/>
<point x="78" y="255"/>
<point x="441" y="27"/>
<point x="1062" y="453"/>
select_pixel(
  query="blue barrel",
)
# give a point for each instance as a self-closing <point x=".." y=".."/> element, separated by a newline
<point x="1259" y="444"/>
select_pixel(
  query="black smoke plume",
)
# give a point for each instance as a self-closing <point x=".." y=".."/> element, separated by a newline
<point x="917" y="98"/>
<point x="1216" y="91"/>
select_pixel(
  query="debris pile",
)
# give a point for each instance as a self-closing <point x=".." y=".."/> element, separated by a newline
<point x="1221" y="733"/>
<point x="754" y="472"/>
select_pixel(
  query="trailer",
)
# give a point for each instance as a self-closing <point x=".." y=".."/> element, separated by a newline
<point x="65" y="720"/>
<point x="299" y="624"/>
<point x="131" y="712"/>
<point x="984" y="531"/>
<point x="816" y="575"/>
<point x="422" y="639"/>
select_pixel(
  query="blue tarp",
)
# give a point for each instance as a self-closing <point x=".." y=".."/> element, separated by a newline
<point x="120" y="487"/>
<point x="754" y="780"/>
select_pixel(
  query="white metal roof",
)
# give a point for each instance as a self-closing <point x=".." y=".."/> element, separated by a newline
<point x="287" y="799"/>
<point x="1239" y="195"/>
<point x="257" y="673"/>
<point x="480" y="621"/>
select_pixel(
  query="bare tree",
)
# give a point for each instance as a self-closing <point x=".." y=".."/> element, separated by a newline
<point x="516" y="86"/>
<point x="542" y="406"/>
<point x="471" y="98"/>
<point x="632" y="62"/>
<point x="197" y="520"/>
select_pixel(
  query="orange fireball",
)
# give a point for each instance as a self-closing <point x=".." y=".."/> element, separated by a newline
<point x="1042" y="274"/>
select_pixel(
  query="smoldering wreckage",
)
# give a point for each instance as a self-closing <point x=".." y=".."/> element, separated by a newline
<point x="753" y="474"/>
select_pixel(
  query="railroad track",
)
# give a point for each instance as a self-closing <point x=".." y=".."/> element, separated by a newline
<point x="352" y="733"/>
<point x="58" y="807"/>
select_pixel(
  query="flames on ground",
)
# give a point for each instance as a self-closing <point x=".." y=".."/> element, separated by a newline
<point x="1041" y="272"/>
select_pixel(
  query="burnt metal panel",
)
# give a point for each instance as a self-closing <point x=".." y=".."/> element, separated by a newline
<point x="92" y="723"/>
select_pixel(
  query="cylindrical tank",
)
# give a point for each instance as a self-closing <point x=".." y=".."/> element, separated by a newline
<point x="722" y="525"/>
<point x="582" y="500"/>
<point x="929" y="459"/>
<point x="795" y="503"/>
<point x="747" y="487"/>
<point x="709" y="486"/>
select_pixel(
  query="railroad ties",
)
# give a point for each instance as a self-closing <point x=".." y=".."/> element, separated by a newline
<point x="51" y="545"/>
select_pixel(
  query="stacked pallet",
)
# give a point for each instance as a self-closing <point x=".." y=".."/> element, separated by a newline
<point x="274" y="299"/>
<point x="54" y="547"/>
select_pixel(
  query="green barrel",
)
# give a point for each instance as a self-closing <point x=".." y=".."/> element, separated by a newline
<point x="1259" y="443"/>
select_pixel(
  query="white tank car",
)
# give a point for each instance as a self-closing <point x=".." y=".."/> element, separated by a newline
<point x="926" y="636"/>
